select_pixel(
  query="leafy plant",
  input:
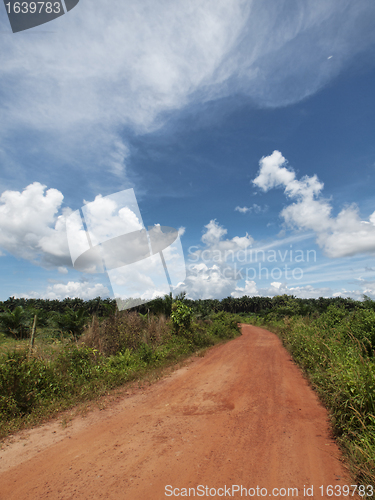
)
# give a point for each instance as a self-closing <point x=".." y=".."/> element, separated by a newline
<point x="181" y="315"/>
<point x="72" y="321"/>
<point x="15" y="322"/>
<point x="22" y="382"/>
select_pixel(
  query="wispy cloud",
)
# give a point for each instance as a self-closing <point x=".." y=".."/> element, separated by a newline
<point x="108" y="70"/>
<point x="254" y="208"/>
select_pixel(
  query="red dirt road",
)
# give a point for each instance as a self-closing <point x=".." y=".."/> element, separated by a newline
<point x="241" y="415"/>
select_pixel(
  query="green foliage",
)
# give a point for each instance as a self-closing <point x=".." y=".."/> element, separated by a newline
<point x="122" y="360"/>
<point x="74" y="362"/>
<point x="23" y="383"/>
<point x="224" y="325"/>
<point x="362" y="326"/>
<point x="146" y="353"/>
<point x="368" y="303"/>
<point x="181" y="315"/>
<point x="98" y="306"/>
<point x="72" y="322"/>
<point x="333" y="317"/>
<point x="16" y="322"/>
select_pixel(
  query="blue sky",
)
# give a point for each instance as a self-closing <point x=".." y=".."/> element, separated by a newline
<point x="247" y="125"/>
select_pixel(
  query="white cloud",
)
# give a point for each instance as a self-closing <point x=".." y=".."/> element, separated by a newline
<point x="369" y="288"/>
<point x="105" y="219"/>
<point x="117" y="157"/>
<point x="72" y="289"/>
<point x="254" y="208"/>
<point x="206" y="282"/>
<point x="223" y="267"/>
<point x="33" y="224"/>
<point x="344" y="235"/>
<point x="243" y="210"/>
<point x="214" y="233"/>
<point x="213" y="239"/>
<point x="30" y="227"/>
<point x="272" y="173"/>
<point x="250" y="289"/>
<point x="276" y="288"/>
<point x="105" y="70"/>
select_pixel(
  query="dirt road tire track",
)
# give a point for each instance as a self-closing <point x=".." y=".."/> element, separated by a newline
<point x="242" y="414"/>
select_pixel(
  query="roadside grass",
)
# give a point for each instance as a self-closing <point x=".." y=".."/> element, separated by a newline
<point x="335" y="350"/>
<point x="125" y="348"/>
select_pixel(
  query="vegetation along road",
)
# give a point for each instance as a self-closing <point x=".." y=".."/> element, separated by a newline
<point x="242" y="415"/>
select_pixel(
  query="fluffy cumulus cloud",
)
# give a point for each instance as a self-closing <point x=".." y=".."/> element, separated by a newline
<point x="341" y="236"/>
<point x="111" y="216"/>
<point x="208" y="275"/>
<point x="206" y="282"/>
<point x="31" y="228"/>
<point x="276" y="288"/>
<point x="60" y="291"/>
<point x="213" y="239"/>
<point x="303" y="292"/>
<point x="105" y="69"/>
<point x="33" y="224"/>
<point x="221" y="267"/>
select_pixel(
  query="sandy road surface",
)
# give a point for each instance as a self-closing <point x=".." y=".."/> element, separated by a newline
<point x="240" y="415"/>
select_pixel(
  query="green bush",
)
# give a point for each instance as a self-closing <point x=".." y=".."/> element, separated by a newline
<point x="146" y="353"/>
<point x="72" y="322"/>
<point x="224" y="325"/>
<point x="74" y="362"/>
<point x="23" y="382"/>
<point x="181" y="315"/>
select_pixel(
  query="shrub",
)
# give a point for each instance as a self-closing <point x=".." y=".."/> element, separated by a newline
<point x="22" y="383"/>
<point x="224" y="325"/>
<point x="181" y="315"/>
<point x="72" y="322"/>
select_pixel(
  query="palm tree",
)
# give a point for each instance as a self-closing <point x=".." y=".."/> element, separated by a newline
<point x="15" y="322"/>
<point x="72" y="321"/>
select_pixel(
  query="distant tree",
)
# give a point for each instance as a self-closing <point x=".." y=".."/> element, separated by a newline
<point x="15" y="322"/>
<point x="72" y="321"/>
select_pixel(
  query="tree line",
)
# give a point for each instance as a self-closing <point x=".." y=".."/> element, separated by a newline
<point x="201" y="307"/>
